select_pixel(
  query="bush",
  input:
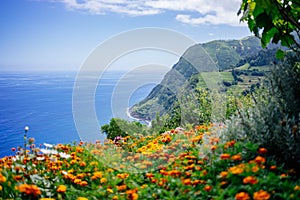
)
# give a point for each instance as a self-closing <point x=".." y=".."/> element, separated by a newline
<point x="273" y="121"/>
<point x="120" y="127"/>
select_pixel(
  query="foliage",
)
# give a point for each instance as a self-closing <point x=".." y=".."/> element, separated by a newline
<point x="192" y="164"/>
<point x="274" y="120"/>
<point x="120" y="127"/>
<point x="277" y="20"/>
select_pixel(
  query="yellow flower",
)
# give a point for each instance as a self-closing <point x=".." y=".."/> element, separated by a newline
<point x="109" y="190"/>
<point x="297" y="187"/>
<point x="46" y="199"/>
<point x="61" y="189"/>
<point x="261" y="195"/>
<point x="2" y="178"/>
<point x="0" y="188"/>
<point x="103" y="180"/>
<point x="82" y="198"/>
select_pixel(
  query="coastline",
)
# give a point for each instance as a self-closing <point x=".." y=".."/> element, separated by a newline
<point x="147" y="122"/>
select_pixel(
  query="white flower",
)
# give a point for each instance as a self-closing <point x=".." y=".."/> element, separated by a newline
<point x="53" y="159"/>
<point x="48" y="151"/>
<point x="26" y="128"/>
<point x="64" y="155"/>
<point x="40" y="158"/>
<point x="48" y="145"/>
<point x="64" y="172"/>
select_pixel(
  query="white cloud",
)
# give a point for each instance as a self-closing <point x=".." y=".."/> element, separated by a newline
<point x="187" y="11"/>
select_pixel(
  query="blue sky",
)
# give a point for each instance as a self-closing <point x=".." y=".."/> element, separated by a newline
<point x="60" y="34"/>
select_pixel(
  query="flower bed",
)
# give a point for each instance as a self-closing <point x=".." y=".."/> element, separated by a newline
<point x="177" y="164"/>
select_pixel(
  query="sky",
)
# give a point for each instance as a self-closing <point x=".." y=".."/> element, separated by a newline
<point x="60" y="34"/>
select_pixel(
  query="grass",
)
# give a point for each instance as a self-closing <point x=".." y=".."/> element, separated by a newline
<point x="212" y="78"/>
<point x="243" y="67"/>
<point x="193" y="164"/>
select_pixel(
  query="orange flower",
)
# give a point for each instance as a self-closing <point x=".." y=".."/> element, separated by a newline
<point x="187" y="181"/>
<point x="83" y="183"/>
<point x="261" y="195"/>
<point x="262" y="150"/>
<point x="29" y="189"/>
<point x="208" y="188"/>
<point x="255" y="169"/>
<point x="132" y="194"/>
<point x="149" y="175"/>
<point x="229" y="144"/>
<point x="223" y="174"/>
<point x="297" y="187"/>
<point x="174" y="173"/>
<point x="61" y="189"/>
<point x="223" y="183"/>
<point x="250" y="180"/>
<point x="97" y="175"/>
<point x="196" y="182"/>
<point x="260" y="160"/>
<point x="242" y="196"/>
<point x="103" y="180"/>
<point x="213" y="148"/>
<point x="273" y="167"/>
<point x="236" y="169"/>
<point x="283" y="175"/>
<point x="16" y="178"/>
<point x="236" y="157"/>
<point x="121" y="187"/>
<point x="122" y="176"/>
<point x="2" y="178"/>
<point x="82" y="164"/>
<point x="77" y="181"/>
<point x="225" y="156"/>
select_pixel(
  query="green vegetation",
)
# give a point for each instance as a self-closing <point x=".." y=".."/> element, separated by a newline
<point x="277" y="20"/>
<point x="252" y="151"/>
<point x="193" y="164"/>
<point x="121" y="128"/>
<point x="215" y="61"/>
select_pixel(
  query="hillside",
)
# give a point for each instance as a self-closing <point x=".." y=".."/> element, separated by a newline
<point x="214" y="56"/>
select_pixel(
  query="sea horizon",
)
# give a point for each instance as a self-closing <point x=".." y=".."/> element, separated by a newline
<point x="42" y="100"/>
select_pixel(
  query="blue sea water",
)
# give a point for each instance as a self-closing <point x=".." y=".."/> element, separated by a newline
<point x="43" y="101"/>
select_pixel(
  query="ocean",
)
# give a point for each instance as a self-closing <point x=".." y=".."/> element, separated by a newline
<point x="43" y="102"/>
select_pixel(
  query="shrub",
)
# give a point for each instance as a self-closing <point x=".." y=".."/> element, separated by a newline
<point x="273" y="121"/>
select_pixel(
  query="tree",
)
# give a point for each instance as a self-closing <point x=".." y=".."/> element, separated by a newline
<point x="120" y="127"/>
<point x="273" y="21"/>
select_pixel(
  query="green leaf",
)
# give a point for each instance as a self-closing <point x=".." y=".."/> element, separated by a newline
<point x="280" y="54"/>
